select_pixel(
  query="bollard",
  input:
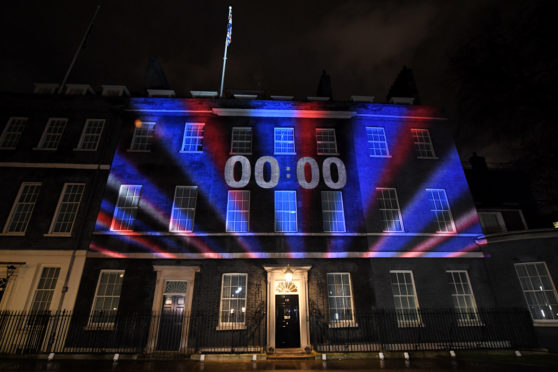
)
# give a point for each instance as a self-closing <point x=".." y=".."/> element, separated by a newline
<point x="115" y="357"/>
<point x="517" y="353"/>
<point x="406" y="355"/>
<point x="324" y="357"/>
<point x="202" y="358"/>
<point x="254" y="357"/>
<point x="381" y="355"/>
<point x="452" y="353"/>
<point x="50" y="356"/>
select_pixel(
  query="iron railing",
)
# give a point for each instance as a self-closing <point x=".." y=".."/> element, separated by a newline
<point x="65" y="332"/>
<point x="391" y="330"/>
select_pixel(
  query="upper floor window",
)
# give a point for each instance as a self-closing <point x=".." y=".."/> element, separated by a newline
<point x="283" y="142"/>
<point x="143" y="136"/>
<point x="501" y="221"/>
<point x="45" y="289"/>
<point x="340" y="298"/>
<point x="285" y="211"/>
<point x="126" y="208"/>
<point x="377" y="143"/>
<point x="538" y="289"/>
<point x="238" y="211"/>
<point x="389" y="209"/>
<point x="462" y="296"/>
<point x="241" y="141"/>
<point x="405" y="298"/>
<point x="12" y="133"/>
<point x="439" y="206"/>
<point x="107" y="297"/>
<point x="91" y="134"/>
<point x="52" y="134"/>
<point x="192" y="140"/>
<point x="67" y="209"/>
<point x="332" y="211"/>
<point x="326" y="141"/>
<point x="22" y="208"/>
<point x="183" y="208"/>
<point x="232" y="312"/>
<point x="423" y="144"/>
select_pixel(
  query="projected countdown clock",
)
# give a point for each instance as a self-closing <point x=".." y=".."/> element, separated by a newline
<point x="273" y="179"/>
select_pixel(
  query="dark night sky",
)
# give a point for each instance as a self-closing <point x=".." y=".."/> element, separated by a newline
<point x="490" y="64"/>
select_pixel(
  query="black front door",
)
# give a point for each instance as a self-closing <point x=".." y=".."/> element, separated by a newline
<point x="287" y="323"/>
<point x="170" y="324"/>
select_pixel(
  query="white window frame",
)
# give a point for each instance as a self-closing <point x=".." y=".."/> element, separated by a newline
<point x="384" y="211"/>
<point x="232" y="325"/>
<point x="551" y="290"/>
<point x="372" y="150"/>
<point x="59" y="208"/>
<point x="51" y="289"/>
<point x="233" y="209"/>
<point x="134" y="209"/>
<point x="327" y="202"/>
<point x="449" y="226"/>
<point x="465" y="316"/>
<point x="276" y="141"/>
<point x="401" y="322"/>
<point x="499" y="220"/>
<point x="423" y="143"/>
<point x="196" y="140"/>
<point x="20" y="122"/>
<point x="320" y="140"/>
<point x="336" y="323"/>
<point x="136" y="144"/>
<point x="295" y="212"/>
<point x="240" y="142"/>
<point x="15" y="206"/>
<point x="58" y="136"/>
<point x="84" y="134"/>
<point x="107" y="324"/>
<point x="174" y="227"/>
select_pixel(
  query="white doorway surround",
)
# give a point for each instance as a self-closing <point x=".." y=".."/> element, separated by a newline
<point x="278" y="284"/>
<point x="167" y="274"/>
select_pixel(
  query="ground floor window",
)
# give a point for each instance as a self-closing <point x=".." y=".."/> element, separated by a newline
<point x="45" y="289"/>
<point x="538" y="289"/>
<point x="405" y="298"/>
<point x="340" y="299"/>
<point x="107" y="297"/>
<point x="462" y="296"/>
<point x="233" y="301"/>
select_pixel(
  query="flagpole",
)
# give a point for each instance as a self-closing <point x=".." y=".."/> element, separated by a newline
<point x="78" y="50"/>
<point x="227" y="42"/>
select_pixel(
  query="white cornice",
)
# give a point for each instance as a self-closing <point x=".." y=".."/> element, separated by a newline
<point x="289" y="113"/>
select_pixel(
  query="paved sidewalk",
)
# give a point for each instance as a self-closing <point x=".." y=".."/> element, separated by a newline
<point x="437" y="364"/>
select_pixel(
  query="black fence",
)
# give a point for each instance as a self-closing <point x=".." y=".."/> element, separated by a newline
<point x="385" y="330"/>
<point x="64" y="332"/>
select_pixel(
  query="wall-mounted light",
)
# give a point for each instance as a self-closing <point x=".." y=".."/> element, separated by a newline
<point x="289" y="274"/>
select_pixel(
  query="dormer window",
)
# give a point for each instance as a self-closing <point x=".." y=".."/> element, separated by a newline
<point x="402" y="100"/>
<point x="78" y="89"/>
<point x="114" y="90"/>
<point x="161" y="93"/>
<point x="44" y="88"/>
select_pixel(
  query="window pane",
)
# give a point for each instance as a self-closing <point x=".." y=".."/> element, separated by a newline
<point x="91" y="134"/>
<point x="107" y="296"/>
<point x="326" y="141"/>
<point x="332" y="211"/>
<point x="233" y="299"/>
<point x="22" y="208"/>
<point x="404" y="296"/>
<point x="390" y="212"/>
<point x="12" y="133"/>
<point x="439" y="206"/>
<point x="52" y="134"/>
<point x="68" y="207"/>
<point x="192" y="140"/>
<point x="241" y="141"/>
<point x="538" y="290"/>
<point x="285" y="211"/>
<point x="284" y="141"/>
<point x="183" y="208"/>
<point x="143" y="136"/>
<point x="377" y="143"/>
<point x="238" y="211"/>
<point x="423" y="144"/>
<point x="339" y="297"/>
<point x="126" y="208"/>
<point x="462" y="295"/>
<point x="45" y="289"/>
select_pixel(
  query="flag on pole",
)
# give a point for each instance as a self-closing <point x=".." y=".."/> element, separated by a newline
<point x="229" y="27"/>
